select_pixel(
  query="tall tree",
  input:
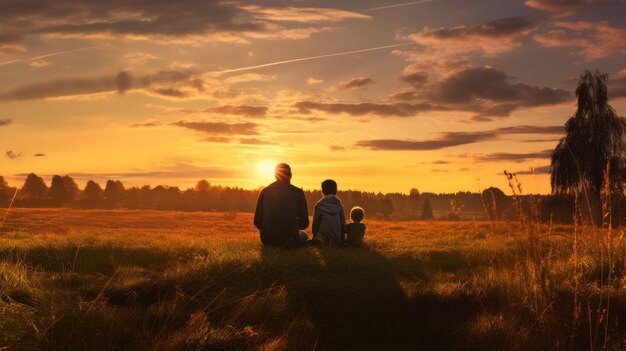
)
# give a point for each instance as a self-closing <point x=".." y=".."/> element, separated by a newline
<point x="34" y="187"/>
<point x="92" y="191"/>
<point x="427" y="211"/>
<point x="57" y="189"/>
<point x="594" y="139"/>
<point x="203" y="185"/>
<point x="6" y="192"/>
<point x="113" y="193"/>
<point x="63" y="189"/>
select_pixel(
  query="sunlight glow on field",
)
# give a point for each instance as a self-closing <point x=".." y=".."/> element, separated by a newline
<point x="265" y="170"/>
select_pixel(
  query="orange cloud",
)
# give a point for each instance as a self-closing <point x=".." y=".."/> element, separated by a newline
<point x="557" y="7"/>
<point x="490" y="38"/>
<point x="355" y="83"/>
<point x="592" y="40"/>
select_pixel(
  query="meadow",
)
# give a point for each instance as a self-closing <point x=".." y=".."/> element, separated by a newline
<point x="158" y="280"/>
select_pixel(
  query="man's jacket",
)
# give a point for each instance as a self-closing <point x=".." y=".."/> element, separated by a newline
<point x="281" y="212"/>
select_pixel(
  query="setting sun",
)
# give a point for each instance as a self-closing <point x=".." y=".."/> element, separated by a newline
<point x="265" y="170"/>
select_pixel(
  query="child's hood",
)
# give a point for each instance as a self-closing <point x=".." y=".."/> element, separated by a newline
<point x="330" y="204"/>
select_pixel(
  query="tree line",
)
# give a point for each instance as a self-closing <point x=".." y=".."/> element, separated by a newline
<point x="491" y="204"/>
<point x="64" y="192"/>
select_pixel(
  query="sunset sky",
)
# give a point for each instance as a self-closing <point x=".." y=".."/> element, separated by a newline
<point x="441" y="95"/>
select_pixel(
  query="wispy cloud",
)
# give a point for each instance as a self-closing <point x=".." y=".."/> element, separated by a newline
<point x="219" y="128"/>
<point x="302" y="14"/>
<point x="12" y="154"/>
<point x="355" y="83"/>
<point x="35" y="59"/>
<point x="451" y="139"/>
<point x="164" y="83"/>
<point x="516" y="157"/>
<point x="412" y="3"/>
<point x="5" y="122"/>
<point x="364" y="108"/>
<point x="446" y="140"/>
<point x="535" y="170"/>
<point x="240" y="110"/>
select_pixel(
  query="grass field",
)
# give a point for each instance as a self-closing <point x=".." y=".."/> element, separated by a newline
<point x="148" y="280"/>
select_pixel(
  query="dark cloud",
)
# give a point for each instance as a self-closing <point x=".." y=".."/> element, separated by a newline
<point x="416" y="79"/>
<point x="146" y="124"/>
<point x="554" y="130"/>
<point x="455" y="138"/>
<point x="5" y="122"/>
<point x="516" y="157"/>
<point x="364" y="108"/>
<point x="446" y="140"/>
<point x="485" y="91"/>
<point x="473" y="85"/>
<point x="219" y="128"/>
<point x="141" y="18"/>
<point x="39" y="155"/>
<point x="492" y="37"/>
<point x="496" y="28"/>
<point x="12" y="154"/>
<point x="404" y="96"/>
<point x="337" y="148"/>
<point x="122" y="82"/>
<point x="240" y="110"/>
<point x="355" y="83"/>
<point x="171" y="92"/>
<point x="159" y="20"/>
<point x="540" y="140"/>
<point x="440" y="162"/>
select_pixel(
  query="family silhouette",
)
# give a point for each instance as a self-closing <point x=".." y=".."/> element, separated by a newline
<point x="282" y="215"/>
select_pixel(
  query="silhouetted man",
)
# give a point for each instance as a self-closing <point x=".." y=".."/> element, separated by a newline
<point x="281" y="212"/>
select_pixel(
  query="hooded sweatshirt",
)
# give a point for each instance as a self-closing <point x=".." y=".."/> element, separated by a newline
<point x="329" y="223"/>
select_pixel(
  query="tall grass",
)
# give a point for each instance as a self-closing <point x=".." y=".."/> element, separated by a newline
<point x="202" y="281"/>
<point x="570" y="298"/>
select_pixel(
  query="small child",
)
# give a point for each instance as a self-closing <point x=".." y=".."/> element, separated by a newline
<point x="356" y="229"/>
<point x="329" y="223"/>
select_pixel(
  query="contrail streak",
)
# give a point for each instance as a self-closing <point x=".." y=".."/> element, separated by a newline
<point x="310" y="58"/>
<point x="44" y="56"/>
<point x="397" y="5"/>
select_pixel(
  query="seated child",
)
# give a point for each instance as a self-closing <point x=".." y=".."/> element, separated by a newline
<point x="356" y="229"/>
<point x="329" y="223"/>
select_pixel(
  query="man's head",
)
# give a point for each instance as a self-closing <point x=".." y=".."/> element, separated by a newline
<point x="329" y="187"/>
<point x="283" y="172"/>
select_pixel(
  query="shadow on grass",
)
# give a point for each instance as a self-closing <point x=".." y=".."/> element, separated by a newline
<point x="352" y="300"/>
